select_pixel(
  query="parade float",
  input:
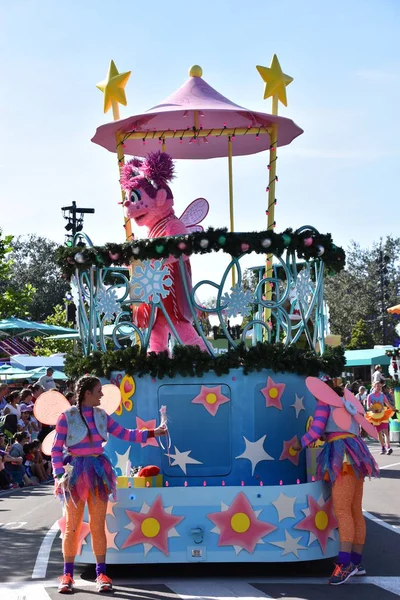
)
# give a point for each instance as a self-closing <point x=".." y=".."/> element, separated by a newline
<point x="226" y="486"/>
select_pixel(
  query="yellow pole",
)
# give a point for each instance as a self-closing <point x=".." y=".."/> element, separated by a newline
<point x="121" y="162"/>
<point x="271" y="200"/>
<point x="231" y="215"/>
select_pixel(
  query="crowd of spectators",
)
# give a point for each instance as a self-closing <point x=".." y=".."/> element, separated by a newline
<point x="22" y="462"/>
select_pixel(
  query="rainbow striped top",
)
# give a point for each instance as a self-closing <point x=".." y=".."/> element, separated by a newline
<point x="94" y="445"/>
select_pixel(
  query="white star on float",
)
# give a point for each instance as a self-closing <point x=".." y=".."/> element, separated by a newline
<point x="290" y="545"/>
<point x="122" y="459"/>
<point x="110" y="508"/>
<point x="285" y="507"/>
<point x="182" y="459"/>
<point x="298" y="405"/>
<point x="255" y="452"/>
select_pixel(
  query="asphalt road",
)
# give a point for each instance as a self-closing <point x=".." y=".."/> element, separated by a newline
<point x="27" y="515"/>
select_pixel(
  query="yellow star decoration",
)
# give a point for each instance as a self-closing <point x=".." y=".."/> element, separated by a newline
<point x="275" y="80"/>
<point x="113" y="87"/>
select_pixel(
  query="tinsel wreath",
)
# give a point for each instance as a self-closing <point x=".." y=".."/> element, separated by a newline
<point x="190" y="361"/>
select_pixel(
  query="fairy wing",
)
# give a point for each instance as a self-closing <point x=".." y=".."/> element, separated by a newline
<point x="49" y="406"/>
<point x="323" y="392"/>
<point x="111" y="398"/>
<point x="359" y="416"/>
<point x="194" y="214"/>
<point x="47" y="443"/>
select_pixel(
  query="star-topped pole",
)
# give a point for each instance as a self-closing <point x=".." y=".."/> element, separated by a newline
<point x="113" y="88"/>
<point x="276" y="82"/>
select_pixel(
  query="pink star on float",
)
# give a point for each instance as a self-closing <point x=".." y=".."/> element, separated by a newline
<point x="83" y="533"/>
<point x="320" y="521"/>
<point x="273" y="393"/>
<point x="152" y="528"/>
<point x="110" y="536"/>
<point x="145" y="425"/>
<point x="288" y="452"/>
<point x="211" y="398"/>
<point x="239" y="526"/>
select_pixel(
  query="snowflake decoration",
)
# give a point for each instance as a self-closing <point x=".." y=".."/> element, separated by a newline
<point x="152" y="281"/>
<point x="304" y="288"/>
<point x="238" y="302"/>
<point x="75" y="290"/>
<point x="107" y="303"/>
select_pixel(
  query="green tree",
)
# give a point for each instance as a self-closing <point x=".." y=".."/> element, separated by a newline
<point x="354" y="294"/>
<point x="361" y="337"/>
<point x="33" y="263"/>
<point x="15" y="300"/>
<point x="46" y="347"/>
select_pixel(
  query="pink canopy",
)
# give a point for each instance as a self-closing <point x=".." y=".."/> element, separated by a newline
<point x="214" y="111"/>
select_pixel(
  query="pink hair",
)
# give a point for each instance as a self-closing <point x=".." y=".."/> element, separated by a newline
<point x="150" y="174"/>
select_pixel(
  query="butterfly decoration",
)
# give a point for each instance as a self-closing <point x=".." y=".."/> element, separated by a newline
<point x="50" y="405"/>
<point x="194" y="214"/>
<point x="344" y="410"/>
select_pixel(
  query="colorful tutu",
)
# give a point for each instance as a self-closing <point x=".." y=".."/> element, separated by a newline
<point x="377" y="418"/>
<point x="346" y="453"/>
<point x="93" y="474"/>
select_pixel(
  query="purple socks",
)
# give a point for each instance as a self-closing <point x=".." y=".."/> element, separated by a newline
<point x="344" y="558"/>
<point x="69" y="569"/>
<point x="100" y="569"/>
<point x="356" y="558"/>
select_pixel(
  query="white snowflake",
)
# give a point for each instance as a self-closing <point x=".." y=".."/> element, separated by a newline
<point x="304" y="288"/>
<point x="151" y="281"/>
<point x="107" y="303"/>
<point x="75" y="290"/>
<point x="238" y="302"/>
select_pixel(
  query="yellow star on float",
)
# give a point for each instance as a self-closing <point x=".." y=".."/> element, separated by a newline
<point x="275" y="80"/>
<point x="113" y="87"/>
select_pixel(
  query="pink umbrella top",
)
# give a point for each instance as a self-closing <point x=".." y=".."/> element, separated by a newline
<point x="196" y="101"/>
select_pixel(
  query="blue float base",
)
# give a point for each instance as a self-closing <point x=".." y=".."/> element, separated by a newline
<point x="193" y="540"/>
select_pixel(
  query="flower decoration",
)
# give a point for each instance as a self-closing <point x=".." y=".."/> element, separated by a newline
<point x="152" y="526"/>
<point x="319" y="521"/>
<point x="288" y="453"/>
<point x="239" y="526"/>
<point x="273" y="393"/>
<point x="152" y="281"/>
<point x="211" y="398"/>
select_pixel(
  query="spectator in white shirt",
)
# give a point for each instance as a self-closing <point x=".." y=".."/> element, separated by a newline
<point x="378" y="377"/>
<point x="47" y="381"/>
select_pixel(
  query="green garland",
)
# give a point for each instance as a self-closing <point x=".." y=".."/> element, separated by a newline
<point x="190" y="361"/>
<point x="307" y="244"/>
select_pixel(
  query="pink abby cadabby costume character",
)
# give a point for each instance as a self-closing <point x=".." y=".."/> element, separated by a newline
<point x="149" y="202"/>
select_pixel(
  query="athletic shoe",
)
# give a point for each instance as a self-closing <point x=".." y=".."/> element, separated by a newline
<point x="341" y="574"/>
<point x="66" y="585"/>
<point x="360" y="569"/>
<point x="389" y="451"/>
<point x="383" y="451"/>
<point x="103" y="583"/>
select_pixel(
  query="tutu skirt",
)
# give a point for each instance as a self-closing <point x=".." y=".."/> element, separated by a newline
<point x="350" y="453"/>
<point x="91" y="474"/>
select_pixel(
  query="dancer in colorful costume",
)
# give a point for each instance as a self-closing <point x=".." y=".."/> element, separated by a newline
<point x="379" y="413"/>
<point x="87" y="474"/>
<point x="344" y="461"/>
<point x="150" y="202"/>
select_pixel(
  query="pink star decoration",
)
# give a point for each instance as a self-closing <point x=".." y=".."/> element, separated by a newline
<point x="140" y="424"/>
<point x="211" y="398"/>
<point x="151" y="528"/>
<point x="320" y="521"/>
<point x="110" y="536"/>
<point x="239" y="525"/>
<point x="83" y="533"/>
<point x="273" y="393"/>
<point x="288" y="453"/>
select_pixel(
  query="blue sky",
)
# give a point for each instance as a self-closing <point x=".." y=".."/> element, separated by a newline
<point x="341" y="175"/>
